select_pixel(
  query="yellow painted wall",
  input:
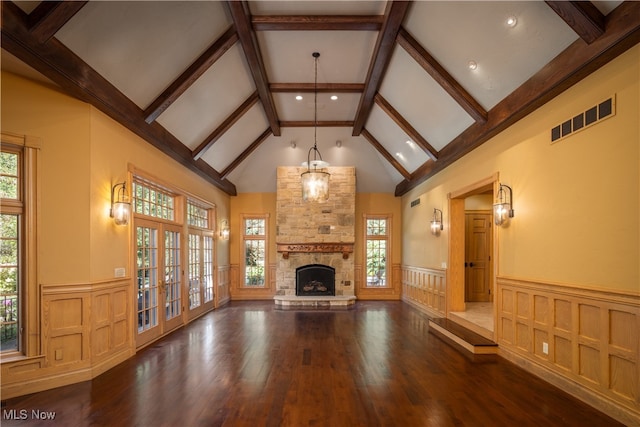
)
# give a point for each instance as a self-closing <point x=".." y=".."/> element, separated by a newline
<point x="63" y="124"/>
<point x="576" y="201"/>
<point x="83" y="153"/>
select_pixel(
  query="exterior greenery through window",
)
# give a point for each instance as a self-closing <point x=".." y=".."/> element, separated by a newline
<point x="377" y="238"/>
<point x="10" y="247"/>
<point x="254" y="237"/>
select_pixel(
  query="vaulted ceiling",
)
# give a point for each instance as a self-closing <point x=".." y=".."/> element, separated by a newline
<point x="213" y="84"/>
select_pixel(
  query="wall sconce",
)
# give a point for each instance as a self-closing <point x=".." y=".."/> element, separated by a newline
<point x="503" y="208"/>
<point x="224" y="229"/>
<point x="120" y="207"/>
<point x="436" y="222"/>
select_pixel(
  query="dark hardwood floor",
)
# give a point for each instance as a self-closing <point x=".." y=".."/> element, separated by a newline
<point x="249" y="364"/>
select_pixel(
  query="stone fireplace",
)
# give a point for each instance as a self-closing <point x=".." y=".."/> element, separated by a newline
<point x="315" y="280"/>
<point x="315" y="234"/>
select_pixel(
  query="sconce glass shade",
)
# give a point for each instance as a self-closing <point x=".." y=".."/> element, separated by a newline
<point x="315" y="185"/>
<point x="436" y="222"/>
<point x="120" y="205"/>
<point x="503" y="208"/>
<point x="224" y="230"/>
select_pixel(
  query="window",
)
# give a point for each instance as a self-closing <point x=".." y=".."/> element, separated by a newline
<point x="151" y="201"/>
<point x="11" y="218"/>
<point x="254" y="244"/>
<point x="377" y="244"/>
<point x="201" y="254"/>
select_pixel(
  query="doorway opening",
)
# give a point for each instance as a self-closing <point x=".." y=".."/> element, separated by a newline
<point x="472" y="257"/>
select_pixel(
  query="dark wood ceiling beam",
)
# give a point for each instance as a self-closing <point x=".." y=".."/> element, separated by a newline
<point x="49" y="16"/>
<point x="406" y="126"/>
<point x="321" y="87"/>
<point x="236" y="162"/>
<point x="320" y="124"/>
<point x="225" y="126"/>
<point x="242" y="20"/>
<point x="316" y="22"/>
<point x="441" y="76"/>
<point x="60" y="65"/>
<point x="572" y="65"/>
<point x="582" y="16"/>
<point x="191" y="74"/>
<point x="374" y="142"/>
<point x="394" y="15"/>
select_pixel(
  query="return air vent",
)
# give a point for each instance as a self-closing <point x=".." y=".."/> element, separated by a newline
<point x="415" y="202"/>
<point x="593" y="115"/>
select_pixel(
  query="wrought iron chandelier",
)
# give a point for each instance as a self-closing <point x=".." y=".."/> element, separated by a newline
<point x="315" y="180"/>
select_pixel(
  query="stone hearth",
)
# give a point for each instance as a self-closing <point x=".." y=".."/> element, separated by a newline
<point x="315" y="233"/>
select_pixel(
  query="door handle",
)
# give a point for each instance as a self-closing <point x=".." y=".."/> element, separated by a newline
<point x="470" y="264"/>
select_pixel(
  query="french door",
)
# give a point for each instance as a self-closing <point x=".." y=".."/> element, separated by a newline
<point x="159" y="279"/>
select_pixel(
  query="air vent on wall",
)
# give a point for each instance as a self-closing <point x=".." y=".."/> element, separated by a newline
<point x="604" y="109"/>
<point x="415" y="202"/>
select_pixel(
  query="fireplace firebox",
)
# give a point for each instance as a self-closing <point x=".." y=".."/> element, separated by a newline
<point x="315" y="280"/>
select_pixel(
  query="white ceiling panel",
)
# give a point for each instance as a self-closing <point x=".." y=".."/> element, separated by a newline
<point x="458" y="32"/>
<point x="27" y="6"/>
<point x="343" y="108"/>
<point x="395" y="140"/>
<point x="318" y="7"/>
<point x="422" y="102"/>
<point x="210" y="100"/>
<point x="237" y="139"/>
<point x="344" y="55"/>
<point x="141" y="46"/>
<point x="606" y="6"/>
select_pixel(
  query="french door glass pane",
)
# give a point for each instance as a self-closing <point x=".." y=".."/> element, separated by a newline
<point x="172" y="273"/>
<point x="207" y="274"/>
<point x="147" y="274"/>
<point x="194" y="271"/>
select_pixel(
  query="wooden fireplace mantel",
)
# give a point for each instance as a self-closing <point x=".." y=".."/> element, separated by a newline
<point x="324" y="247"/>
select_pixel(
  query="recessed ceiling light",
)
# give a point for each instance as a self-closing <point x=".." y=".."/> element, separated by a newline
<point x="299" y="97"/>
<point x="334" y="97"/>
<point x="472" y="65"/>
<point x="512" y="21"/>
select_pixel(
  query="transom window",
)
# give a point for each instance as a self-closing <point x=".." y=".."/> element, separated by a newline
<point x="152" y="201"/>
<point x="377" y="247"/>
<point x="197" y="216"/>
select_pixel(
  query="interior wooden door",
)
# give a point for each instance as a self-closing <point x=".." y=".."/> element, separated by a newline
<point x="478" y="257"/>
